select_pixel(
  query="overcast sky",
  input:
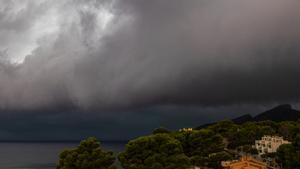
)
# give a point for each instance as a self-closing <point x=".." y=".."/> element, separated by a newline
<point x="119" y="68"/>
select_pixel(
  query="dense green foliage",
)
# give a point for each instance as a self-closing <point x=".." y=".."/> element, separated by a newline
<point x="88" y="155"/>
<point x="204" y="147"/>
<point x="214" y="160"/>
<point x="160" y="130"/>
<point x="200" y="142"/>
<point x="165" y="149"/>
<point x="211" y="145"/>
<point x="289" y="129"/>
<point x="247" y="149"/>
<point x="247" y="133"/>
<point x="289" y="154"/>
<point x="159" y="151"/>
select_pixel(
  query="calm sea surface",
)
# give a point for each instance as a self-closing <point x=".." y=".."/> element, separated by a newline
<point x="40" y="155"/>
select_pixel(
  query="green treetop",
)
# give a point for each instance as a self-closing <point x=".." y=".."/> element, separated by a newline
<point x="159" y="151"/>
<point x="88" y="155"/>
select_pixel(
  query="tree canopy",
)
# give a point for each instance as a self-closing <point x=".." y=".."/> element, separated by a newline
<point x="160" y="130"/>
<point x="88" y="155"/>
<point x="159" y="151"/>
<point x="206" y="147"/>
<point x="289" y="154"/>
<point x="200" y="142"/>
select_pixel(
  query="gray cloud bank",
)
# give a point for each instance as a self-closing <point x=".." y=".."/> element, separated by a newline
<point x="121" y="55"/>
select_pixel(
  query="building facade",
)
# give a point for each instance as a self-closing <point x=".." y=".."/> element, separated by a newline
<point x="186" y="130"/>
<point x="269" y="144"/>
<point x="245" y="162"/>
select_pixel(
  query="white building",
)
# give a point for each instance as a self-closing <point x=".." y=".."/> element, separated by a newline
<point x="269" y="144"/>
<point x="186" y="130"/>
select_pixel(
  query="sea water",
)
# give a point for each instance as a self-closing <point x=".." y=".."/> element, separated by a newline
<point x="40" y="155"/>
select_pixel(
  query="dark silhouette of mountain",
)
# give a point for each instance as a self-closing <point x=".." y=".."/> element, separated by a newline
<point x="204" y="125"/>
<point x="280" y="113"/>
<point x="243" y="119"/>
<point x="239" y="120"/>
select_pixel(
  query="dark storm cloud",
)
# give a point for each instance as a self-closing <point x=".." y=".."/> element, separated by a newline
<point x="122" y="55"/>
<point x="124" y="126"/>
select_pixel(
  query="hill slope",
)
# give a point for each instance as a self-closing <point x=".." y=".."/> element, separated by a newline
<point x="280" y="113"/>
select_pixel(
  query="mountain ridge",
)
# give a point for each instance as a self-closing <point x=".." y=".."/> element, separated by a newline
<point x="284" y="112"/>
